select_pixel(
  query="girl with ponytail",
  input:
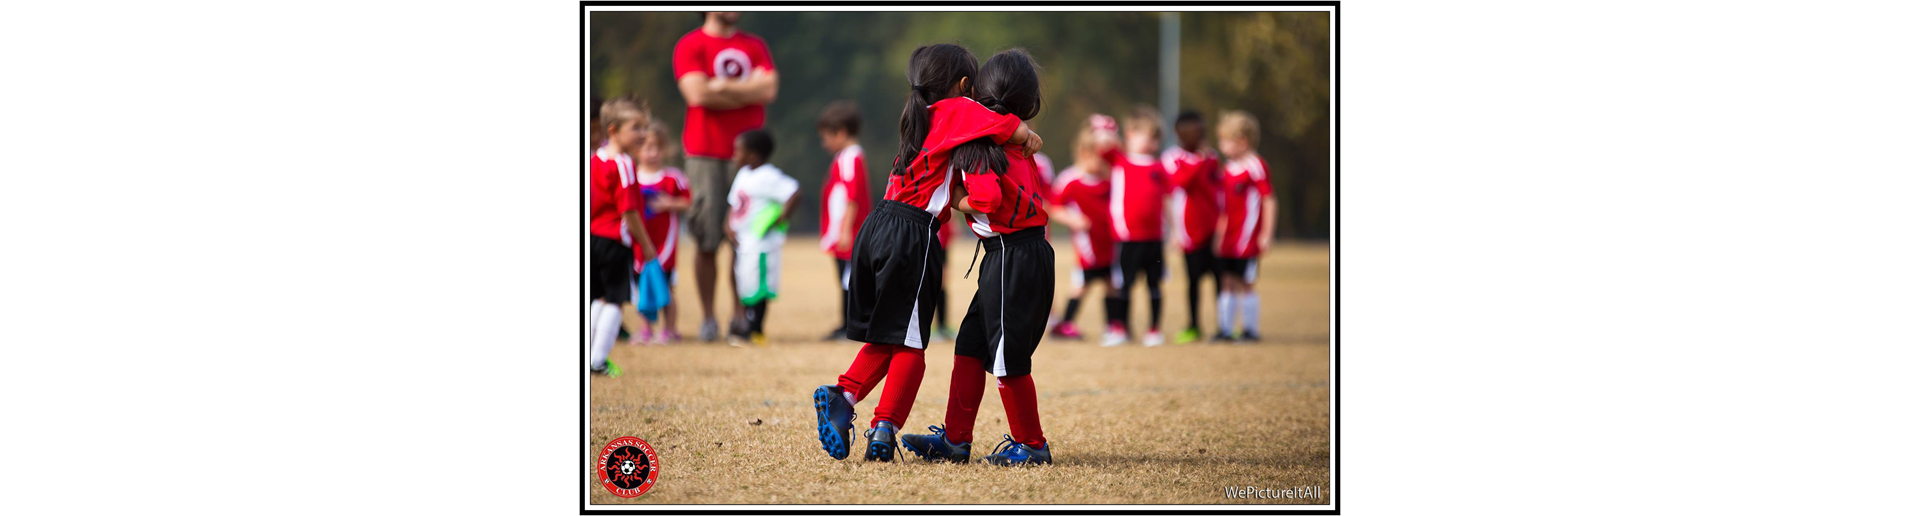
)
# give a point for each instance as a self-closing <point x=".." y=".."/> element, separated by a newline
<point x="1003" y="199"/>
<point x="897" y="257"/>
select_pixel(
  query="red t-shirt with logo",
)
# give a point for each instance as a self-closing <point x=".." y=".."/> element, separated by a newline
<point x="710" y="132"/>
<point x="1090" y="197"/>
<point x="846" y="184"/>
<point x="663" y="228"/>
<point x="610" y="181"/>
<point x="1246" y="189"/>
<point x="1196" y="195"/>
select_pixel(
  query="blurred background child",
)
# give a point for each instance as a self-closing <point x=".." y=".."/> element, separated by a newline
<point x="666" y="194"/>
<point x="1140" y="189"/>
<point x="1081" y="197"/>
<point x="1195" y="171"/>
<point x="615" y="227"/>
<point x="1244" y="231"/>
<point x="762" y="199"/>
<point x="844" y="196"/>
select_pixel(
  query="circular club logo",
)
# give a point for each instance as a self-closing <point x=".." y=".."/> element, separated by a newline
<point x="731" y="63"/>
<point x="628" y="467"/>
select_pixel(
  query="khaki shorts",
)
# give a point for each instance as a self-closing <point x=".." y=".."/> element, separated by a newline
<point x="711" y="178"/>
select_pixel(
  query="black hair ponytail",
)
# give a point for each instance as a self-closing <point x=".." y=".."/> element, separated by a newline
<point x="931" y="72"/>
<point x="1008" y="83"/>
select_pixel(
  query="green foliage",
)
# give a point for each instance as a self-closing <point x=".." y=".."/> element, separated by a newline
<point x="1274" y="65"/>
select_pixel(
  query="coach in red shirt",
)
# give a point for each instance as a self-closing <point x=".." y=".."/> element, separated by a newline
<point x="727" y="78"/>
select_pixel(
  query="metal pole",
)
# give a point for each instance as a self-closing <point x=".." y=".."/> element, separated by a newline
<point x="1169" y="73"/>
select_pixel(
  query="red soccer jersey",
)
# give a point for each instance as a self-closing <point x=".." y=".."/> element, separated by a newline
<point x="1012" y="201"/>
<point x="928" y="183"/>
<point x="1140" y="189"/>
<point x="1245" y="186"/>
<point x="710" y="132"/>
<point x="1196" y="195"/>
<point x="1090" y="197"/>
<point x="610" y="179"/>
<point x="845" y="195"/>
<point x="663" y="228"/>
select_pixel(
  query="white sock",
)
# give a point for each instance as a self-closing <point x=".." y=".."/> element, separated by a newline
<point x="593" y="319"/>
<point x="1250" y="311"/>
<point x="606" y="329"/>
<point x="1224" y="306"/>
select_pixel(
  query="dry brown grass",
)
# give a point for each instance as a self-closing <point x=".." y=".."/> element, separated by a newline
<point x="1174" y="424"/>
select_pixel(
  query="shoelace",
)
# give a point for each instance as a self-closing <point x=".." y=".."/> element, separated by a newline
<point x="939" y="432"/>
<point x="976" y="257"/>
<point x="1006" y="444"/>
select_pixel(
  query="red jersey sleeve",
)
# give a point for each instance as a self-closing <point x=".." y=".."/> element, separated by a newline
<point x="627" y="196"/>
<point x="1113" y="156"/>
<point x="960" y="120"/>
<point x="983" y="190"/>
<point x="677" y="185"/>
<point x="1259" y="178"/>
<point x="1180" y="171"/>
<point x="686" y="56"/>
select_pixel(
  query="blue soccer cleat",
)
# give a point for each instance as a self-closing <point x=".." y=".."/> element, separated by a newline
<point x="836" y="420"/>
<point x="880" y="441"/>
<point x="1010" y="453"/>
<point x="936" y="446"/>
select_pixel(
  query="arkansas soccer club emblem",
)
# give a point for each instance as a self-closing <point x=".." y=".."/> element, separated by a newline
<point x="628" y="467"/>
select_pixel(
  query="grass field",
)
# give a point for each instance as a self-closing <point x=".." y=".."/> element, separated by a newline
<point x="1173" y="424"/>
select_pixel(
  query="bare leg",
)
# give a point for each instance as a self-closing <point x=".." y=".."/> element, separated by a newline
<point x="733" y="285"/>
<point x="667" y="316"/>
<point x="703" y="280"/>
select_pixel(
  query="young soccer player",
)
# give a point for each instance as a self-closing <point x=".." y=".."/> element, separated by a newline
<point x="1246" y="228"/>
<point x="615" y="227"/>
<point x="1195" y="171"/>
<point x="665" y="194"/>
<point x="1140" y="189"/>
<point x="844" y="196"/>
<point x="1081" y="197"/>
<point x="1003" y="198"/>
<point x="761" y="201"/>
<point x="895" y="258"/>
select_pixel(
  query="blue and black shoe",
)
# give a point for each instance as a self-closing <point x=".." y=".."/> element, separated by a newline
<point x="1010" y="453"/>
<point x="836" y="420"/>
<point x="936" y="446"/>
<point x="880" y="441"/>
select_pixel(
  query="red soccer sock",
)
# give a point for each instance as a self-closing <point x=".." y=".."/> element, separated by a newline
<point x="896" y="401"/>
<point x="963" y="403"/>
<point x="869" y="367"/>
<point x="1023" y="410"/>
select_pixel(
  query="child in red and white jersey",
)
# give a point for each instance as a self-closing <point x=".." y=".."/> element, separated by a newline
<point x="1245" y="228"/>
<point x="615" y="227"/>
<point x="1140" y="189"/>
<point x="1195" y="171"/>
<point x="666" y="193"/>
<point x="1081" y="197"/>
<point x="844" y="198"/>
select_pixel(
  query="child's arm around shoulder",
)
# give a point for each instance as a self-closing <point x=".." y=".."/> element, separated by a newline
<point x="981" y="192"/>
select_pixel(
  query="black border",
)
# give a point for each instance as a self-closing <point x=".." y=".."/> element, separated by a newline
<point x="1335" y="250"/>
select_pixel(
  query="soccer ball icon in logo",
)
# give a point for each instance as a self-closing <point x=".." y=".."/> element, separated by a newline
<point x="628" y="467"/>
<point x="731" y="64"/>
